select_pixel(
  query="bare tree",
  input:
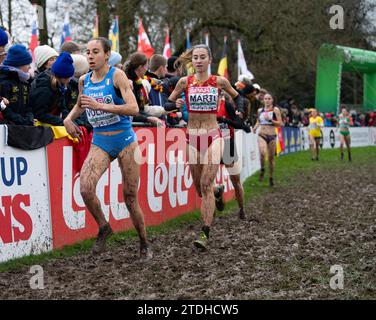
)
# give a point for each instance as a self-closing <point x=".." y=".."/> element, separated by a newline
<point x="43" y="33"/>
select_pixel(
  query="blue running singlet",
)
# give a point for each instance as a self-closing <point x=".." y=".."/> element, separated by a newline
<point x="104" y="92"/>
<point x="102" y="121"/>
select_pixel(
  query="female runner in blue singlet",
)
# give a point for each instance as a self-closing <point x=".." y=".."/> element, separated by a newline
<point x="107" y="98"/>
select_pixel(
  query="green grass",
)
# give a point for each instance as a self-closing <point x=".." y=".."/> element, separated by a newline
<point x="288" y="169"/>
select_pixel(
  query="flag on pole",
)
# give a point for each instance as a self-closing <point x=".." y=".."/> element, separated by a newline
<point x="223" y="65"/>
<point x="167" y="47"/>
<point x="96" y="27"/>
<point x="114" y="35"/>
<point x="188" y="44"/>
<point x="280" y="147"/>
<point x="144" y="44"/>
<point x="242" y="64"/>
<point x="66" y="30"/>
<point x="207" y="43"/>
<point x="34" y="38"/>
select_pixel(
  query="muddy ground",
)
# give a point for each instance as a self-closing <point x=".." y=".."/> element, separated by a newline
<point x="320" y="221"/>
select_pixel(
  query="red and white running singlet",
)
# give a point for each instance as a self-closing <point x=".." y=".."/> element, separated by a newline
<point x="202" y="97"/>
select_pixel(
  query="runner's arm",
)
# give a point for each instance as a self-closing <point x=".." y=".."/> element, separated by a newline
<point x="278" y="122"/>
<point x="174" y="102"/>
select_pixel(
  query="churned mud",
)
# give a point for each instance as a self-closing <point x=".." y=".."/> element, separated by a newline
<point x="319" y="221"/>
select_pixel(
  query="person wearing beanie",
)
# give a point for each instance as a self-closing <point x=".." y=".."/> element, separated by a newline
<point x="51" y="94"/>
<point x="115" y="60"/>
<point x="81" y="67"/>
<point x="80" y="64"/>
<point x="45" y="56"/>
<point x="242" y="82"/>
<point x="15" y="86"/>
<point x="3" y="43"/>
<point x="70" y="47"/>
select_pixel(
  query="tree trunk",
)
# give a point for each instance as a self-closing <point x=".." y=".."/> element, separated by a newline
<point x="43" y="33"/>
<point x="103" y="11"/>
<point x="10" y="16"/>
<point x="126" y="10"/>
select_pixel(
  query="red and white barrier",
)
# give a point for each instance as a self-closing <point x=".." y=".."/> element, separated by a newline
<point x="40" y="203"/>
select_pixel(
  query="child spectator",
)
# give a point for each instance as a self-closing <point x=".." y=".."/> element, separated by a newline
<point x="45" y="56"/>
<point x="15" y="86"/>
<point x="50" y="94"/>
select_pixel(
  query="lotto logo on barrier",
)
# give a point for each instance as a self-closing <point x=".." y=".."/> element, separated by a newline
<point x="165" y="189"/>
<point x="25" y="226"/>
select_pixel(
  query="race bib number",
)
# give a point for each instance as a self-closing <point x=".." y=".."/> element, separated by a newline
<point x="266" y="117"/>
<point x="203" y="99"/>
<point x="313" y="125"/>
<point x="99" y="118"/>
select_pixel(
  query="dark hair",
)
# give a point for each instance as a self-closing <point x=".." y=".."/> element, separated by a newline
<point x="106" y="44"/>
<point x="134" y="61"/>
<point x="171" y="64"/>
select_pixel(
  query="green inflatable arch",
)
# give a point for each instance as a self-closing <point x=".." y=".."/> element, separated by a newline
<point x="332" y="61"/>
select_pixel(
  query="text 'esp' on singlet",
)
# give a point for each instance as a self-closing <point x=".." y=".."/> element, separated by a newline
<point x="202" y="97"/>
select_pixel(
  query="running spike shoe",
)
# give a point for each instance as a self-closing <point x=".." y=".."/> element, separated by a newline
<point x="218" y="194"/>
<point x="202" y="241"/>
<point x="100" y="244"/>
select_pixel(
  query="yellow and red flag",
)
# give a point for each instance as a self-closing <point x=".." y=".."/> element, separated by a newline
<point x="280" y="143"/>
<point x="223" y="64"/>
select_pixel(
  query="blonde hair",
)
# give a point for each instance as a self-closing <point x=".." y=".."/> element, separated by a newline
<point x="184" y="62"/>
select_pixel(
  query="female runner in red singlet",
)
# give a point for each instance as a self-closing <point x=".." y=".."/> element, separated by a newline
<point x="204" y="141"/>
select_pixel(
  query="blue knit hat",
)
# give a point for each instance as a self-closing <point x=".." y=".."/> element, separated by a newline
<point x="3" y="38"/>
<point x="18" y="56"/>
<point x="63" y="66"/>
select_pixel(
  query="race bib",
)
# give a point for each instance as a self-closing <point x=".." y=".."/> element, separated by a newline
<point x="203" y="99"/>
<point x="313" y="125"/>
<point x="99" y="118"/>
<point x="266" y="117"/>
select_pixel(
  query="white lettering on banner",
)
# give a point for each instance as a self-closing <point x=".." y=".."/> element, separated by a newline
<point x="75" y="220"/>
<point x="118" y="209"/>
<point x="161" y="177"/>
<point x="25" y="224"/>
<point x="110" y="183"/>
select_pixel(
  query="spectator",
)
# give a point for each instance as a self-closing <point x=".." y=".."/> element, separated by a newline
<point x="136" y="68"/>
<point x="296" y="117"/>
<point x="250" y="92"/>
<point x="172" y="71"/>
<point x="115" y="60"/>
<point x="45" y="56"/>
<point x="81" y="67"/>
<point x="155" y="77"/>
<point x="50" y="93"/>
<point x="3" y="43"/>
<point x="15" y="86"/>
<point x="242" y="82"/>
<point x="70" y="47"/>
